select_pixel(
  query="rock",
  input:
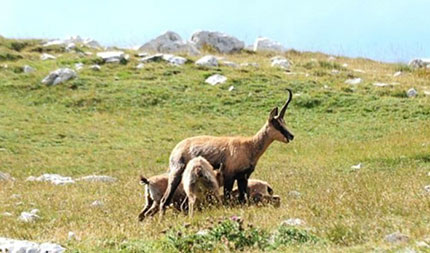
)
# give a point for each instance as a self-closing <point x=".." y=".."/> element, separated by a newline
<point x="152" y="58"/>
<point x="357" y="167"/>
<point x="202" y="232"/>
<point x="53" y="178"/>
<point x="97" y="178"/>
<point x="354" y="81"/>
<point x="59" y="76"/>
<point x="359" y="71"/>
<point x="97" y="203"/>
<point x="216" y="79"/>
<point x="45" y="57"/>
<point x="427" y="188"/>
<point x="229" y="64"/>
<point x="293" y="222"/>
<point x="427" y="93"/>
<point x="140" y="66"/>
<point x="6" y="214"/>
<point x="113" y="56"/>
<point x="79" y="66"/>
<point x="95" y="67"/>
<point x="207" y="61"/>
<point x="174" y="60"/>
<point x="377" y="84"/>
<point x="169" y="42"/>
<point x="335" y="71"/>
<point x="70" y="47"/>
<point x="5" y="177"/>
<point x="91" y="43"/>
<point x="142" y="54"/>
<point x="422" y="244"/>
<point x="411" y="93"/>
<point x="27" y="69"/>
<point x="72" y="41"/>
<point x="231" y="88"/>
<point x="21" y="246"/>
<point x="398" y="73"/>
<point x="419" y="63"/>
<point x="280" y="62"/>
<point x="345" y="65"/>
<point x="294" y="194"/>
<point x="221" y="42"/>
<point x="29" y="216"/>
<point x="396" y="237"/>
<point x="249" y="64"/>
<point x="266" y="44"/>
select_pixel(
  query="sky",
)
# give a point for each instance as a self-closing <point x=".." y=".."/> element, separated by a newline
<point x="384" y="30"/>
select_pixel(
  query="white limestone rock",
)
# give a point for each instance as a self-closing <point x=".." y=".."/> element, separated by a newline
<point x="294" y="194"/>
<point x="97" y="203"/>
<point x="46" y="56"/>
<point x="412" y="93"/>
<point x="397" y="74"/>
<point x="21" y="246"/>
<point x="354" y="81"/>
<point x="113" y="56"/>
<point x="221" y="42"/>
<point x="152" y="58"/>
<point x="229" y="64"/>
<point x="140" y="66"/>
<point x="266" y="44"/>
<point x="420" y="63"/>
<point x="29" y="216"/>
<point x="216" y="79"/>
<point x="396" y="237"/>
<point x="174" y="60"/>
<point x="52" y="178"/>
<point x="207" y="61"/>
<point x="231" y="88"/>
<point x="97" y="178"/>
<point x="27" y="69"/>
<point x="59" y="76"/>
<point x="79" y="66"/>
<point x="357" y="166"/>
<point x="249" y="64"/>
<point x="378" y="84"/>
<point x="169" y="42"/>
<point x="280" y="62"/>
<point x="95" y="67"/>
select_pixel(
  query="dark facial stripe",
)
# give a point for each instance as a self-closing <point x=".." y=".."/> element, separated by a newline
<point x="281" y="129"/>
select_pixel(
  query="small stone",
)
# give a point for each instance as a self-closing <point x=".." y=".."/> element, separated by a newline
<point x="6" y="214"/>
<point x="411" y="93"/>
<point x="71" y="46"/>
<point x="140" y="66"/>
<point x="231" y="88"/>
<point x="377" y="84"/>
<point x="207" y="61"/>
<point x="229" y="64"/>
<point x="88" y="53"/>
<point x="97" y="178"/>
<point x="142" y="54"/>
<point x="359" y="70"/>
<point x="216" y="79"/>
<point x="345" y="65"/>
<point x="53" y="178"/>
<point x="249" y="64"/>
<point x="354" y="81"/>
<point x="27" y="69"/>
<point x="396" y="237"/>
<point x="34" y="211"/>
<point x="95" y="67"/>
<point x="45" y="57"/>
<point x="427" y="188"/>
<point x="427" y="93"/>
<point x="357" y="167"/>
<point x="5" y="177"/>
<point x="335" y="71"/>
<point x="97" y="203"/>
<point x="202" y="232"/>
<point x="295" y="194"/>
<point x="79" y="66"/>
<point x="71" y="236"/>
<point x="397" y="74"/>
<point x="422" y="244"/>
<point x="293" y="222"/>
<point x="280" y="62"/>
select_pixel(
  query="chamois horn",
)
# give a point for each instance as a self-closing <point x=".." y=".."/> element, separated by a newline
<point x="284" y="108"/>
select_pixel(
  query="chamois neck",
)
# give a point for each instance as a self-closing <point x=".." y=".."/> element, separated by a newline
<point x="260" y="142"/>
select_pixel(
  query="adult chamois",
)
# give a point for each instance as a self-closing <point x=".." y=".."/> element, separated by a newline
<point x="239" y="155"/>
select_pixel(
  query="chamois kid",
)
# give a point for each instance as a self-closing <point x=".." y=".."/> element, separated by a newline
<point x="238" y="154"/>
<point x="201" y="181"/>
<point x="259" y="193"/>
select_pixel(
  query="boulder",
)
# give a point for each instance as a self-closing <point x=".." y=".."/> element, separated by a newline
<point x="207" y="61"/>
<point x="266" y="44"/>
<point x="113" y="56"/>
<point x="53" y="178"/>
<point x="412" y="93"/>
<point x="216" y="79"/>
<point x="27" y="69"/>
<point x="221" y="42"/>
<point x="59" y="76"/>
<point x="174" y="60"/>
<point x="419" y="63"/>
<point x="169" y="42"/>
<point x="280" y="62"/>
<point x="18" y="246"/>
<point x="97" y="178"/>
<point x="152" y="58"/>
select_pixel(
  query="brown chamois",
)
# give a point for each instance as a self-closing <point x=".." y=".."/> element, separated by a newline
<point x="238" y="154"/>
<point x="154" y="189"/>
<point x="259" y="193"/>
<point x="200" y="182"/>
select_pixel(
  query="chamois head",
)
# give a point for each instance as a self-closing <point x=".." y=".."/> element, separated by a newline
<point x="276" y="123"/>
<point x="219" y="174"/>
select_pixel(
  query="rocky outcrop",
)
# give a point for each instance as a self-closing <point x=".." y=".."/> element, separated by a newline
<point x="262" y="44"/>
<point x="221" y="42"/>
<point x="169" y="42"/>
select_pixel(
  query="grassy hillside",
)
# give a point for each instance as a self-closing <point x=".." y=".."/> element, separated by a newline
<point x="123" y="122"/>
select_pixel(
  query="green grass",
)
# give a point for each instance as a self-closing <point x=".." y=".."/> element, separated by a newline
<point x="124" y="122"/>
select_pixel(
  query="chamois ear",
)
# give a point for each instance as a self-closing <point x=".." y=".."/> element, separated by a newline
<point x="273" y="113"/>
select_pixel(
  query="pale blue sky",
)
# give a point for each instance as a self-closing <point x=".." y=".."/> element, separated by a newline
<point x="388" y="30"/>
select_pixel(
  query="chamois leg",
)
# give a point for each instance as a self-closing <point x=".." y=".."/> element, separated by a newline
<point x="175" y="177"/>
<point x="191" y="202"/>
<point x="242" y="184"/>
<point x="149" y="202"/>
<point x="184" y="205"/>
<point x="153" y="210"/>
<point x="228" y="187"/>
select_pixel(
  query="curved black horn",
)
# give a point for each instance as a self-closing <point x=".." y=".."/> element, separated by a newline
<point x="284" y="108"/>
